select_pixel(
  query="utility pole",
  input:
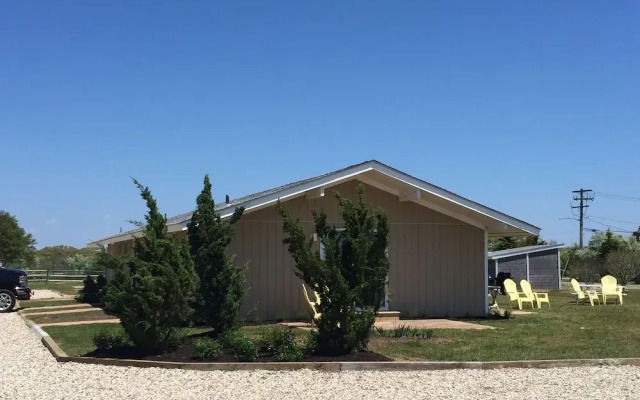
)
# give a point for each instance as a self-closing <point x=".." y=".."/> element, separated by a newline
<point x="582" y="196"/>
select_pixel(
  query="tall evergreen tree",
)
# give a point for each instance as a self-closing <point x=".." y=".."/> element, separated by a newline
<point x="222" y="283"/>
<point x="351" y="275"/>
<point x="157" y="299"/>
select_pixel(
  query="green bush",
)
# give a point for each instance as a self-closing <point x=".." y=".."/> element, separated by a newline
<point x="623" y="265"/>
<point x="586" y="265"/>
<point x="282" y="343"/>
<point x="350" y="275"/>
<point x="404" y="331"/>
<point x="244" y="348"/>
<point x="207" y="348"/>
<point x="89" y="292"/>
<point x="104" y="340"/>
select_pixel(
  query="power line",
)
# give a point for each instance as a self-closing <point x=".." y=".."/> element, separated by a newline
<point x="600" y="230"/>
<point x="614" y="220"/>
<point x="607" y="225"/>
<point x="616" y="196"/>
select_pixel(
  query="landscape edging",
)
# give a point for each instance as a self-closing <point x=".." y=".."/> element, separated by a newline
<point x="330" y="366"/>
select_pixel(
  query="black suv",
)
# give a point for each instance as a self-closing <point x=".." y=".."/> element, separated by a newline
<point x="13" y="285"/>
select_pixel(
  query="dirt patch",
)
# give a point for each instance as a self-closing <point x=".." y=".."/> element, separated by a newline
<point x="186" y="353"/>
<point x="381" y="341"/>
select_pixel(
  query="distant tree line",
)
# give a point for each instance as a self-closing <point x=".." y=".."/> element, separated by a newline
<point x="606" y="254"/>
<point x="17" y="250"/>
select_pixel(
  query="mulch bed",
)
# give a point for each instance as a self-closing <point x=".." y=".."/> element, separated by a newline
<point x="186" y="353"/>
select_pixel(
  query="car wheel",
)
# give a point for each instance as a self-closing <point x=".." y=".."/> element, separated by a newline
<point x="7" y="300"/>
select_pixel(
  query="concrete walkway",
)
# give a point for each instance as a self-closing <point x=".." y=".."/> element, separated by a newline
<point x="435" y="323"/>
<point x="38" y="309"/>
<point x="70" y="323"/>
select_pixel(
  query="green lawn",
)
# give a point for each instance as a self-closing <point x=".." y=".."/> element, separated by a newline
<point x="565" y="331"/>
<point x="66" y="287"/>
<point x="77" y="340"/>
<point x="93" y="315"/>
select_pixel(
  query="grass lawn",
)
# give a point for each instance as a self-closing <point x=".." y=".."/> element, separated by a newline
<point x="26" y="304"/>
<point x="77" y="340"/>
<point x="66" y="287"/>
<point x="93" y="315"/>
<point x="565" y="331"/>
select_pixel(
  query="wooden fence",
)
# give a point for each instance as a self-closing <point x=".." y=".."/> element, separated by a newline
<point x="46" y="275"/>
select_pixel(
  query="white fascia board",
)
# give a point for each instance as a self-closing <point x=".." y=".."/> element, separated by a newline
<point x="286" y="194"/>
<point x="526" y="252"/>
<point x="409" y="180"/>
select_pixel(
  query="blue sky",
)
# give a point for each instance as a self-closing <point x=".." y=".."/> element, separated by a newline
<point x="511" y="104"/>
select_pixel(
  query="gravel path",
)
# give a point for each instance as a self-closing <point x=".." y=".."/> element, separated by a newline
<point x="42" y="294"/>
<point x="28" y="371"/>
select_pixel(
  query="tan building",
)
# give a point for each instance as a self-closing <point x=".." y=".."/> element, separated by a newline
<point x="437" y="241"/>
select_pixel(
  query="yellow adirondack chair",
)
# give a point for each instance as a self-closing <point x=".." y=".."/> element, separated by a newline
<point x="584" y="295"/>
<point x="541" y="297"/>
<point x="512" y="291"/>
<point x="610" y="288"/>
<point x="312" y="304"/>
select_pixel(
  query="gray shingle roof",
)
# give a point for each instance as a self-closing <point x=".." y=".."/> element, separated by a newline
<point x="267" y="194"/>
<point x="523" y="250"/>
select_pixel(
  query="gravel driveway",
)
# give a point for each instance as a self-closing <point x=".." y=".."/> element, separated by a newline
<point x="28" y="371"/>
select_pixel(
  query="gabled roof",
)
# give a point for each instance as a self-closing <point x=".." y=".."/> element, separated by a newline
<point x="376" y="174"/>
<point x="494" y="255"/>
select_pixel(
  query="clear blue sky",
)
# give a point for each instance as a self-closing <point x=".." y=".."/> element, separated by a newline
<point x="511" y="104"/>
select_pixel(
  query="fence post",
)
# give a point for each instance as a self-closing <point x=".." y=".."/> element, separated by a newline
<point x="46" y="280"/>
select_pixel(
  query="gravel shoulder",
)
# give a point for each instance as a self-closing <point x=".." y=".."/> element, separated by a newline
<point x="28" y="371"/>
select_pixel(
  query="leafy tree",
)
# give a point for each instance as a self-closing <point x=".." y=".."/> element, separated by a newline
<point x="585" y="264"/>
<point x="512" y="242"/>
<point x="624" y="265"/>
<point x="222" y="283"/>
<point x="15" y="243"/>
<point x="80" y="263"/>
<point x="351" y="276"/>
<point x="156" y="300"/>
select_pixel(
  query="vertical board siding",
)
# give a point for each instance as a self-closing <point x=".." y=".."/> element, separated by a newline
<point x="516" y="266"/>
<point x="543" y="269"/>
